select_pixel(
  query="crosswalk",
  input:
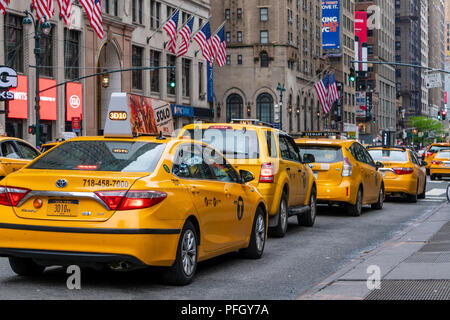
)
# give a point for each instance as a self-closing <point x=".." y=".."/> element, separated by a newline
<point x="437" y="192"/>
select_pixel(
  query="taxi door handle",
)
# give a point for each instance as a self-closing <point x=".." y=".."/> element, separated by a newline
<point x="288" y="169"/>
<point x="194" y="190"/>
<point x="227" y="194"/>
<point x="299" y="170"/>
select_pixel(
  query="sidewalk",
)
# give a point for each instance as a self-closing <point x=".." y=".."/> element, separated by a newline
<point x="414" y="265"/>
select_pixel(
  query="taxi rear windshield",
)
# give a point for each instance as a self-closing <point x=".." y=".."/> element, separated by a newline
<point x="389" y="155"/>
<point x="119" y="156"/>
<point x="234" y="144"/>
<point x="435" y="149"/>
<point x="323" y="154"/>
<point x="443" y="154"/>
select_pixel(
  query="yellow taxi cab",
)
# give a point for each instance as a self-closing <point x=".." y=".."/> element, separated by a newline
<point x="345" y="173"/>
<point x="282" y="176"/>
<point x="404" y="173"/>
<point x="440" y="165"/>
<point x="47" y="146"/>
<point x="14" y="154"/>
<point x="129" y="202"/>
<point x="431" y="151"/>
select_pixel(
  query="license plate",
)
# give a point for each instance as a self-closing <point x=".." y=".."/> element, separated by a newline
<point x="315" y="175"/>
<point x="62" y="208"/>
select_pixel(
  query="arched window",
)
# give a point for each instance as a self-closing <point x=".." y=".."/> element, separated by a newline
<point x="234" y="107"/>
<point x="264" y="58"/>
<point x="264" y="107"/>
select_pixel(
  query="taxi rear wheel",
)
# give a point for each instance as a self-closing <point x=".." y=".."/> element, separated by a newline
<point x="183" y="270"/>
<point x="280" y="230"/>
<point x="356" y="209"/>
<point x="307" y="219"/>
<point x="379" y="204"/>
<point x="258" y="237"/>
<point x="433" y="177"/>
<point x="25" y="267"/>
<point x="413" y="197"/>
<point x="423" y="194"/>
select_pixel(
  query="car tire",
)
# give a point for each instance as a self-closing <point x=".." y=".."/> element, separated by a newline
<point x="182" y="273"/>
<point x="433" y="177"/>
<point x="356" y="209"/>
<point x="25" y="267"/>
<point x="308" y="218"/>
<point x="423" y="194"/>
<point x="257" y="243"/>
<point x="379" y="204"/>
<point x="280" y="230"/>
<point x="412" y="198"/>
<point x="428" y="172"/>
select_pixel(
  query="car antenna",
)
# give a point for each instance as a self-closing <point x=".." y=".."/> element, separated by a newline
<point x="161" y="137"/>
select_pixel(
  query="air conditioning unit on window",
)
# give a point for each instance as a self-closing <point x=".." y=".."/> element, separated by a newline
<point x="77" y="18"/>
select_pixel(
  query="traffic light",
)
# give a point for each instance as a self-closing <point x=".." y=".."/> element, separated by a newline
<point x="444" y="115"/>
<point x="32" y="129"/>
<point x="439" y="116"/>
<point x="172" y="79"/>
<point x="352" y="76"/>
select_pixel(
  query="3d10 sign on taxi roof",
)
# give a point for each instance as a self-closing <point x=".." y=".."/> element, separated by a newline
<point x="8" y="80"/>
<point x="131" y="115"/>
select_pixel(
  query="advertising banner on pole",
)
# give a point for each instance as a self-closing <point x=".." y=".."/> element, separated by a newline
<point x="331" y="25"/>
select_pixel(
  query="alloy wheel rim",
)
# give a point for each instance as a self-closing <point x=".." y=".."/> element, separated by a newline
<point x="260" y="232"/>
<point x="313" y="206"/>
<point x="283" y="213"/>
<point x="189" y="253"/>
<point x="359" y="204"/>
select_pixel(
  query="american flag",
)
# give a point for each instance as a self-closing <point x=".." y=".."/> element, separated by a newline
<point x="44" y="9"/>
<point x="171" y="28"/>
<point x="203" y="38"/>
<point x="65" y="10"/>
<point x="3" y="4"/>
<point x="93" y="10"/>
<point x="219" y="47"/>
<point x="322" y="92"/>
<point x="333" y="93"/>
<point x="186" y="34"/>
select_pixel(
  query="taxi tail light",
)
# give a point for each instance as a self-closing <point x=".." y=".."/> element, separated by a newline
<point x="428" y="154"/>
<point x="402" y="171"/>
<point x="436" y="162"/>
<point x="267" y="174"/>
<point x="347" y="168"/>
<point x="11" y="196"/>
<point x="123" y="200"/>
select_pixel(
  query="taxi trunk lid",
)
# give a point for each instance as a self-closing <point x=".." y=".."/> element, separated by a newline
<point x="68" y="195"/>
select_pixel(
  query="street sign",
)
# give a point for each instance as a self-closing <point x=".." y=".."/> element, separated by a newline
<point x="76" y="124"/>
<point x="433" y="80"/>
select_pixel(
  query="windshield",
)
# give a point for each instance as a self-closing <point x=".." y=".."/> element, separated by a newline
<point x="435" y="149"/>
<point x="389" y="155"/>
<point x="323" y="154"/>
<point x="234" y="144"/>
<point x="121" y="156"/>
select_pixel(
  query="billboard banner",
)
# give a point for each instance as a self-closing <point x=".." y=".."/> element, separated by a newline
<point x="48" y="105"/>
<point x="361" y="105"/>
<point x="331" y="25"/>
<point x="361" y="26"/>
<point x="18" y="108"/>
<point x="74" y="101"/>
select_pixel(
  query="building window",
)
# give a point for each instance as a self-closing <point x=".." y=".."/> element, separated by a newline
<point x="228" y="37"/>
<point x="239" y="59"/>
<point x="239" y="13"/>
<point x="186" y="77"/>
<point x="14" y="42"/>
<point x="234" y="107"/>
<point x="228" y="59"/>
<point x="137" y="61"/>
<point x="264" y="108"/>
<point x="264" y="59"/>
<point x="239" y="36"/>
<point x="264" y="37"/>
<point x="227" y="14"/>
<point x="264" y="14"/>
<point x="71" y="54"/>
<point x="200" y="79"/>
<point x="170" y="62"/>
<point x="46" y="44"/>
<point x="155" y="61"/>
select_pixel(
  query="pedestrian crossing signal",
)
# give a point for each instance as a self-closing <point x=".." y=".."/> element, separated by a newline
<point x="32" y="129"/>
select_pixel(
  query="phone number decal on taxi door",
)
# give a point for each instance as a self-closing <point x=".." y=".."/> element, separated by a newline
<point x="105" y="183"/>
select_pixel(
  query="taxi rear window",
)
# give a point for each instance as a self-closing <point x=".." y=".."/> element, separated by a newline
<point x="323" y="154"/>
<point x="443" y="154"/>
<point x="389" y="155"/>
<point x="234" y="144"/>
<point x="119" y="156"/>
<point x="435" y="149"/>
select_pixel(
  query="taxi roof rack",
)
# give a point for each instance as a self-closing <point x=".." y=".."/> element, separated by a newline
<point x="255" y="122"/>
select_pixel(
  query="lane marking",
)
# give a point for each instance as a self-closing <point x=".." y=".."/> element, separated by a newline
<point x="436" y="192"/>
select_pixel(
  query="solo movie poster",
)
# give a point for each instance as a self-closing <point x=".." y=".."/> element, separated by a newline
<point x="150" y="116"/>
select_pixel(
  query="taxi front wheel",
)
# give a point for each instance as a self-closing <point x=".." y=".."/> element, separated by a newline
<point x="25" y="267"/>
<point x="183" y="270"/>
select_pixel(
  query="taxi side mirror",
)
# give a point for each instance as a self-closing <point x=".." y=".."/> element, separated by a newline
<point x="379" y="165"/>
<point x="246" y="176"/>
<point x="308" y="158"/>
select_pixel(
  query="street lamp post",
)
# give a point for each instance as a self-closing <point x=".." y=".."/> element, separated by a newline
<point x="28" y="20"/>
<point x="281" y="89"/>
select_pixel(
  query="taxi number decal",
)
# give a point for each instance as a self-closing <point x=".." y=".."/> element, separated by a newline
<point x="105" y="183"/>
<point x="118" y="115"/>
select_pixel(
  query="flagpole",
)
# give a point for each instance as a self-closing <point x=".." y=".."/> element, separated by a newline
<point x="223" y="23"/>
<point x="199" y="29"/>
<point x="162" y="25"/>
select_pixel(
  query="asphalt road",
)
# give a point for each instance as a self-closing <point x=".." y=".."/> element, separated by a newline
<point x="289" y="266"/>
